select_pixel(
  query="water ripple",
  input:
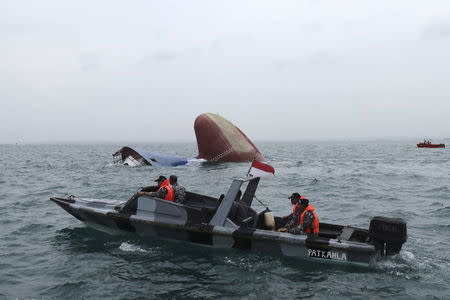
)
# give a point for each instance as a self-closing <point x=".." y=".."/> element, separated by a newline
<point x="45" y="253"/>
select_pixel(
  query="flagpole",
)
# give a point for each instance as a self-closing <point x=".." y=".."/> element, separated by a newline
<point x="248" y="172"/>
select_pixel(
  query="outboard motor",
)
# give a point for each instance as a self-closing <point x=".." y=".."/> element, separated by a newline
<point x="388" y="234"/>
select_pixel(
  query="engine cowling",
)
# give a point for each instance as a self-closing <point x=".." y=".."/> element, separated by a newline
<point x="388" y="234"/>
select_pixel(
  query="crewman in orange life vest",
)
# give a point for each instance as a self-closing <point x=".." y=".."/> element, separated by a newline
<point x="165" y="190"/>
<point x="303" y="218"/>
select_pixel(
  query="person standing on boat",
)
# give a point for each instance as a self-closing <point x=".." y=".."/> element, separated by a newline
<point x="165" y="190"/>
<point x="238" y="210"/>
<point x="303" y="218"/>
<point x="180" y="191"/>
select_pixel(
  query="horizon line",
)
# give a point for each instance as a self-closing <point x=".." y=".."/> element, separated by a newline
<point x="179" y="141"/>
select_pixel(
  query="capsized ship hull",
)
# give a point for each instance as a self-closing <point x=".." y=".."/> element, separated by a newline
<point x="220" y="140"/>
<point x="136" y="157"/>
<point x="200" y="220"/>
<point x="217" y="139"/>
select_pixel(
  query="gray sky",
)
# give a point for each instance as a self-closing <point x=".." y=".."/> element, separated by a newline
<point x="280" y="70"/>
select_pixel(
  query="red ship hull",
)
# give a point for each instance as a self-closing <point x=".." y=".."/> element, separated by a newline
<point x="424" y="145"/>
<point x="220" y="140"/>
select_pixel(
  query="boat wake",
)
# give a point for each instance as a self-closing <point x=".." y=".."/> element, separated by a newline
<point x="401" y="260"/>
<point x="406" y="264"/>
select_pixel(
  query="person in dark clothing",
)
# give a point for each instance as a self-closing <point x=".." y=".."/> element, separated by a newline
<point x="180" y="192"/>
<point x="163" y="189"/>
<point x="292" y="218"/>
<point x="303" y="218"/>
<point x="238" y="211"/>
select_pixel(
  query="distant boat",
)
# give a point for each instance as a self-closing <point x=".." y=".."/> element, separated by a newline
<point x="428" y="144"/>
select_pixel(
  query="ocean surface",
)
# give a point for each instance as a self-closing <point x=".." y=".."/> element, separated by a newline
<point x="46" y="253"/>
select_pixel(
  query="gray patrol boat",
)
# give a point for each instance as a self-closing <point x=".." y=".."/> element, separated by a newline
<point x="205" y="220"/>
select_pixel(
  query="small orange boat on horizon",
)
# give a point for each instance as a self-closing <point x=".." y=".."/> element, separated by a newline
<point x="428" y="144"/>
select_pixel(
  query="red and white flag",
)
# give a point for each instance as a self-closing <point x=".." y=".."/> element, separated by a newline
<point x="259" y="169"/>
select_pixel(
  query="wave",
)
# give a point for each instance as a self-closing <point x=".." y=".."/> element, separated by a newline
<point x="406" y="264"/>
<point x="127" y="247"/>
<point x="32" y="228"/>
<point x="444" y="189"/>
<point x="398" y="261"/>
<point x="442" y="212"/>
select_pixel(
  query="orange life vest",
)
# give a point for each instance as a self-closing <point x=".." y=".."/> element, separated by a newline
<point x="315" y="223"/>
<point x="170" y="196"/>
<point x="297" y="205"/>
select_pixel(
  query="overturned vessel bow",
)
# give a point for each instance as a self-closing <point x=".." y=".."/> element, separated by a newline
<point x="220" y="140"/>
<point x="217" y="139"/>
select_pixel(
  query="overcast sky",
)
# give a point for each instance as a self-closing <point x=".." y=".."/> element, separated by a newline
<point x="280" y="70"/>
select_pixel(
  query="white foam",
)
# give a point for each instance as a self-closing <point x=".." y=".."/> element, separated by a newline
<point x="126" y="247"/>
<point x="398" y="261"/>
<point x="404" y="262"/>
<point x="407" y="256"/>
<point x="195" y="161"/>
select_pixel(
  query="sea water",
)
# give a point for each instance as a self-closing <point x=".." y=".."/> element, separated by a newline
<point x="45" y="253"/>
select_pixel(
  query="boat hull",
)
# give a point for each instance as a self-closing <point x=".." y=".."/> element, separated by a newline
<point x="220" y="140"/>
<point x="151" y="223"/>
<point x="422" y="145"/>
